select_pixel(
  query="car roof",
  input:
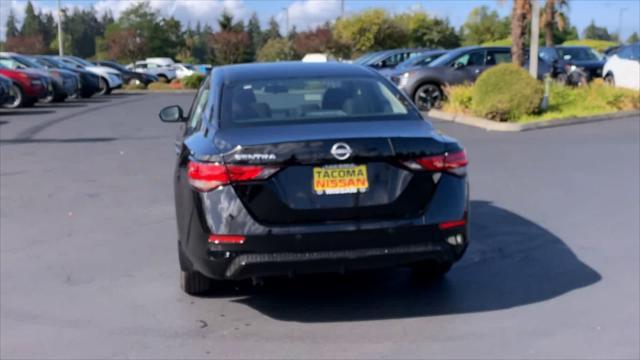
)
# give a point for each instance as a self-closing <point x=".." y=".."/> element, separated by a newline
<point x="290" y="69"/>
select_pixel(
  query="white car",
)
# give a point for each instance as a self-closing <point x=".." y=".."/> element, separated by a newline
<point x="184" y="70"/>
<point x="166" y="72"/>
<point x="318" y="57"/>
<point x="623" y="68"/>
<point x="110" y="79"/>
<point x="162" y="61"/>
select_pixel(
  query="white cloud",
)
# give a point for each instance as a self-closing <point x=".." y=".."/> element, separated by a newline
<point x="308" y="14"/>
<point x="187" y="11"/>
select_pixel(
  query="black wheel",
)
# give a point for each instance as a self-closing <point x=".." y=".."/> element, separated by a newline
<point x="430" y="269"/>
<point x="17" y="96"/>
<point x="103" y="87"/>
<point x="610" y="80"/>
<point x="427" y="97"/>
<point x="194" y="283"/>
<point x="191" y="281"/>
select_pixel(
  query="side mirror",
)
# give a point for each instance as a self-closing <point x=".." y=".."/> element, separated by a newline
<point x="171" y="114"/>
<point x="458" y="65"/>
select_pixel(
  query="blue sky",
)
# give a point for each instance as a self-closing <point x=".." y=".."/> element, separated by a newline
<point x="309" y="13"/>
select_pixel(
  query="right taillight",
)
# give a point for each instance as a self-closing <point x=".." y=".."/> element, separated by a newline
<point x="209" y="176"/>
<point x="453" y="162"/>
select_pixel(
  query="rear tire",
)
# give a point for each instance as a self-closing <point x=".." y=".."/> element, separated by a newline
<point x="194" y="283"/>
<point x="431" y="270"/>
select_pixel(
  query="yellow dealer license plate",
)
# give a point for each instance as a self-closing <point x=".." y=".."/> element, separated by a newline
<point x="340" y="179"/>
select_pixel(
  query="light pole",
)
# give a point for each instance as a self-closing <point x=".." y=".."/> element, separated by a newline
<point x="622" y="10"/>
<point x="286" y="14"/>
<point x="60" y="44"/>
<point x="535" y="38"/>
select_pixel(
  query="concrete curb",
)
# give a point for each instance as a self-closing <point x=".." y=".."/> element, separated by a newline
<point x="185" y="91"/>
<point x="490" y="125"/>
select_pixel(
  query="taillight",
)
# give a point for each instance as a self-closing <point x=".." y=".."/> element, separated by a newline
<point x="226" y="239"/>
<point x="454" y="162"/>
<point x="209" y="176"/>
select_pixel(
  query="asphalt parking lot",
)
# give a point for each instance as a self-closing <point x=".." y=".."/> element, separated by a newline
<point x="89" y="263"/>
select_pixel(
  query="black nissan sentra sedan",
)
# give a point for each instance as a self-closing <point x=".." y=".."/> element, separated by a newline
<point x="290" y="168"/>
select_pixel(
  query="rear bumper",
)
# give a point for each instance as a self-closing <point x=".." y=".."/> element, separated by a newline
<point x="328" y="252"/>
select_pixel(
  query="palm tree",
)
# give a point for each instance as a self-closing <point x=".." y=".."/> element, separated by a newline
<point x="553" y="15"/>
<point x="519" y="16"/>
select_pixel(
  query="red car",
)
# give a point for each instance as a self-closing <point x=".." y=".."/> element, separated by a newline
<point x="27" y="87"/>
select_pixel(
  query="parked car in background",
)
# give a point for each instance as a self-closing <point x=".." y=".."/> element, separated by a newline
<point x="623" y="68"/>
<point x="27" y="86"/>
<point x="128" y="76"/>
<point x="425" y="85"/>
<point x="389" y="58"/>
<point x="63" y="83"/>
<point x="6" y="92"/>
<point x="583" y="57"/>
<point x="109" y="79"/>
<point x="89" y="82"/>
<point x="415" y="62"/>
<point x="184" y="70"/>
<point x="167" y="72"/>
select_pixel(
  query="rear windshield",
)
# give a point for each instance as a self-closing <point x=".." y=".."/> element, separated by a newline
<point x="268" y="102"/>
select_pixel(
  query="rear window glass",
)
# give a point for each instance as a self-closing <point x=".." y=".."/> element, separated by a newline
<point x="265" y="102"/>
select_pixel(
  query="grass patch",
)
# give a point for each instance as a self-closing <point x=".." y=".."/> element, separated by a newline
<point x="564" y="102"/>
<point x="595" y="99"/>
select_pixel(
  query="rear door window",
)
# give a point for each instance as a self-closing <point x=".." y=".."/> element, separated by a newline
<point x="474" y="58"/>
<point x="495" y="57"/>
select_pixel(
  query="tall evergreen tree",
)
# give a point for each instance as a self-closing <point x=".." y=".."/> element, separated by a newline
<point x="273" y="31"/>
<point x="225" y="21"/>
<point x="12" y="25"/>
<point x="31" y="23"/>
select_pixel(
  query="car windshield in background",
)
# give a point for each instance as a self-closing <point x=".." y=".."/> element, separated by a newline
<point x="81" y="61"/>
<point x="117" y="66"/>
<point x="580" y="54"/>
<point x="27" y="62"/>
<point x="445" y="59"/>
<point x="268" y="102"/>
<point x="422" y="59"/>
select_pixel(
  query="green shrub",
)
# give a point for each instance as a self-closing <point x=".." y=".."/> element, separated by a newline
<point x="163" y="80"/>
<point x="506" y="92"/>
<point x="598" y="45"/>
<point x="459" y="98"/>
<point x="192" y="81"/>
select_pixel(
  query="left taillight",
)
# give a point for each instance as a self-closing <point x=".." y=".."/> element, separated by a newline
<point x="453" y="162"/>
<point x="209" y="176"/>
